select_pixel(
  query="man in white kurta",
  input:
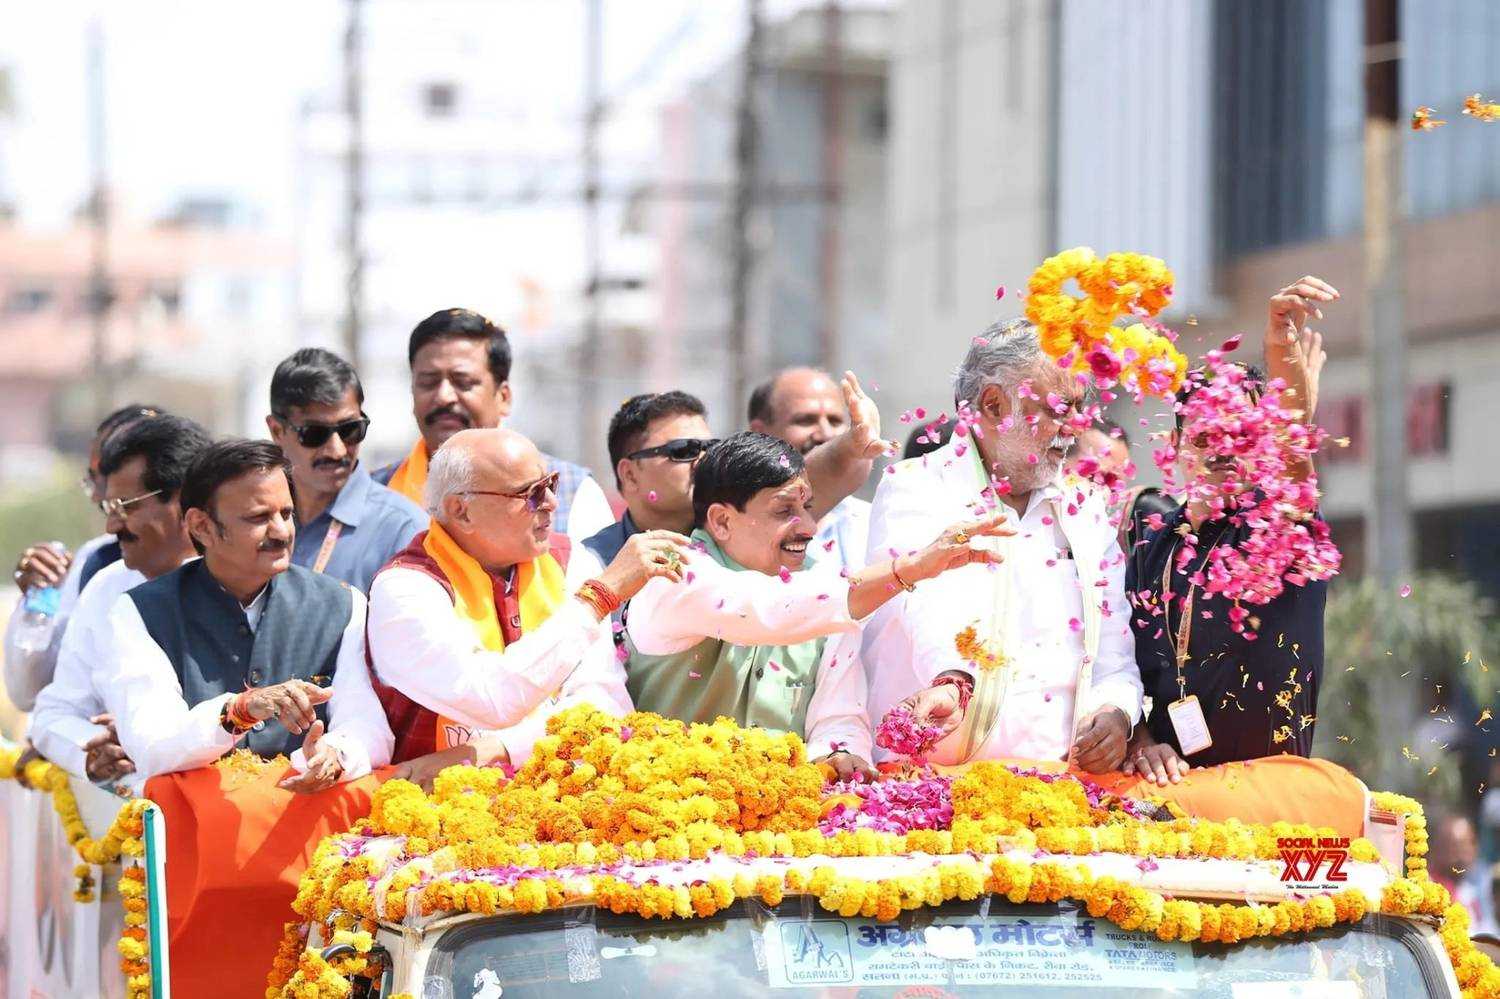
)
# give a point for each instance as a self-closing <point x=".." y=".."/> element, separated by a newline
<point x="1054" y="608"/>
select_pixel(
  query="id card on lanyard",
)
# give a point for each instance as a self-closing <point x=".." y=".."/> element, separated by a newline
<point x="1185" y="713"/>
<point x="325" y="550"/>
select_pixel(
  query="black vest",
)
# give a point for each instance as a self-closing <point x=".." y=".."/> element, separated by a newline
<point x="207" y="638"/>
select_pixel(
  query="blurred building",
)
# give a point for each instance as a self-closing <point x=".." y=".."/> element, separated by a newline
<point x="1225" y="137"/>
<point x="818" y="221"/>
<point x="186" y="299"/>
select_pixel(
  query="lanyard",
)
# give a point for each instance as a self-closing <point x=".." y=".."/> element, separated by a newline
<point x="325" y="551"/>
<point x="1180" y="641"/>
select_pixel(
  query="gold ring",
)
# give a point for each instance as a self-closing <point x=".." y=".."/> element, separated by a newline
<point x="960" y="538"/>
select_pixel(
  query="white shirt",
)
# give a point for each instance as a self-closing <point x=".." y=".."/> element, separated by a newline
<point x="60" y="725"/>
<point x="162" y="733"/>
<point x="910" y="640"/>
<point x="843" y="535"/>
<point x="26" y="673"/>
<point x="746" y="607"/>
<point x="589" y="514"/>
<point x="422" y="649"/>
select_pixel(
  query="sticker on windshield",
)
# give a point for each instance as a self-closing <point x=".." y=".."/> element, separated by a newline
<point x="583" y="954"/>
<point x="1047" y="950"/>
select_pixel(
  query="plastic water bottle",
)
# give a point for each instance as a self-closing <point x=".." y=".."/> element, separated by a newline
<point x="39" y="614"/>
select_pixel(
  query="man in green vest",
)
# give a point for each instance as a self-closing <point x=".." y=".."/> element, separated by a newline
<point x="753" y="631"/>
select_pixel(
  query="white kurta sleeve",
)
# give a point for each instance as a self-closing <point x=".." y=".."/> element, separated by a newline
<point x="357" y="726"/>
<point x="157" y="728"/>
<point x="837" y="715"/>
<point x="421" y="648"/>
<point x="739" y="607"/>
<point x="590" y="512"/>
<point x="60" y="725"/>
<point x="1117" y="678"/>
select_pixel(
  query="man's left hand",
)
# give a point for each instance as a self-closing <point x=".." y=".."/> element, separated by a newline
<point x="1099" y="746"/>
<point x="323" y="764"/>
<point x="1293" y="306"/>
<point x="847" y="765"/>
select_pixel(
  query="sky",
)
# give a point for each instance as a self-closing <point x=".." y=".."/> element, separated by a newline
<point x="204" y="99"/>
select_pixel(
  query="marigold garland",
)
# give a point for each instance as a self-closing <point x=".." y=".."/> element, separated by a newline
<point x="1080" y="332"/>
<point x="121" y="840"/>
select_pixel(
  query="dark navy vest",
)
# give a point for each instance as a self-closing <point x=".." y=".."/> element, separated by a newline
<point x="207" y="638"/>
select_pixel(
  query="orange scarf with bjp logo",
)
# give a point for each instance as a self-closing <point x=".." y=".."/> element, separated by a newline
<point x="540" y="588"/>
<point x="410" y="478"/>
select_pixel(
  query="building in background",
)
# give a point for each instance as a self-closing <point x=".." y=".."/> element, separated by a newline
<point x="1225" y="137"/>
<point x="818" y="223"/>
<point x="188" y="298"/>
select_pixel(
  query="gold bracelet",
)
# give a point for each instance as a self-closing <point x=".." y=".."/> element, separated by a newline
<point x="908" y="587"/>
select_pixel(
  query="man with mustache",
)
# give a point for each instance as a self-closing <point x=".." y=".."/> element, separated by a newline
<point x="142" y="468"/>
<point x="489" y="622"/>
<point x="746" y="633"/>
<point x="1048" y="668"/>
<point x="348" y="525"/>
<point x="460" y="379"/>
<point x="199" y="659"/>
<point x="27" y="671"/>
<point x="805" y="408"/>
<point x="1256" y="697"/>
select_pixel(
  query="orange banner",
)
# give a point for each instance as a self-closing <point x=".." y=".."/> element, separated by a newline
<point x="236" y="847"/>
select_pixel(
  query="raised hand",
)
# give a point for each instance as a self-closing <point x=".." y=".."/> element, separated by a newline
<point x="864" y="420"/>
<point x="956" y="547"/>
<point x="937" y="705"/>
<point x="42" y="565"/>
<point x="1293" y="306"/>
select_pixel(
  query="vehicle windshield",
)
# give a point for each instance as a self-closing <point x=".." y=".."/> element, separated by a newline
<point x="982" y="948"/>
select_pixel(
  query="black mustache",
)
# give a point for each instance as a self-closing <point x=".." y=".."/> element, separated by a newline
<point x="798" y="540"/>
<point x="432" y="417"/>
<point x="332" y="463"/>
<point x="124" y="535"/>
<point x="274" y="546"/>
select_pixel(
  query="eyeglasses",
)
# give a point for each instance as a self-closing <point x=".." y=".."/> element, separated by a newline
<point x="116" y="507"/>
<point x="680" y="449"/>
<point x="317" y="434"/>
<point x="534" y="494"/>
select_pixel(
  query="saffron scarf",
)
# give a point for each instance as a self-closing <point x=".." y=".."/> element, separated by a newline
<point x="540" y="587"/>
<point x="410" y="479"/>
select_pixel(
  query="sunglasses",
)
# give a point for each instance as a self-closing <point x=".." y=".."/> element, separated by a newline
<point x="681" y="449"/>
<point x="315" y="435"/>
<point x="534" y="494"/>
<point x="117" y="507"/>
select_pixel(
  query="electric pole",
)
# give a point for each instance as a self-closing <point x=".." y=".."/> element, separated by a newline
<point x="354" y="169"/>
<point x="100" y="293"/>
<point x="746" y="155"/>
<point x="1388" y="531"/>
<point x="593" y="71"/>
<point x="833" y="179"/>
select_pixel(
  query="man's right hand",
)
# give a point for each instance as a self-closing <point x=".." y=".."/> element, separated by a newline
<point x="290" y="703"/>
<point x="104" y="758"/>
<point x="646" y="555"/>
<point x="1156" y="762"/>
<point x="42" y="565"/>
<point x="936" y="705"/>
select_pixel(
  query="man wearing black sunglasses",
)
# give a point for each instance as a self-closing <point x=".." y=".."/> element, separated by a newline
<point x="655" y="440"/>
<point x="348" y="525"/>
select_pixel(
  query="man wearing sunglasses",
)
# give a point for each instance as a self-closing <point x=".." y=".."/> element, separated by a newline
<point x="42" y="565"/>
<point x="490" y="621"/>
<point x="348" y="525"/>
<point x="142" y="468"/>
<point x="655" y="440"/>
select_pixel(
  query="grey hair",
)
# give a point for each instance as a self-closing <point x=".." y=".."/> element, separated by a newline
<point x="451" y="471"/>
<point x="1005" y="354"/>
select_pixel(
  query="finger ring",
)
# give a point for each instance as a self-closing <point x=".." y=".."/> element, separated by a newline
<point x="960" y="538"/>
<point x="25" y="563"/>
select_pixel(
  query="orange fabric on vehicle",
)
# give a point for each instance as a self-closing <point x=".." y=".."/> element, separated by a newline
<point x="236" y="847"/>
<point x="1281" y="788"/>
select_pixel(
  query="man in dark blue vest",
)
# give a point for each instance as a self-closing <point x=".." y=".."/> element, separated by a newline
<point x="205" y="656"/>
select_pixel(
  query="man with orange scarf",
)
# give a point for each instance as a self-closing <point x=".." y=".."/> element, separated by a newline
<point x="533" y="634"/>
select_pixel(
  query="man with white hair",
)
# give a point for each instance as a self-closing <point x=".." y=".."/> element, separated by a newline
<point x="1033" y="657"/>
<point x="532" y="633"/>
